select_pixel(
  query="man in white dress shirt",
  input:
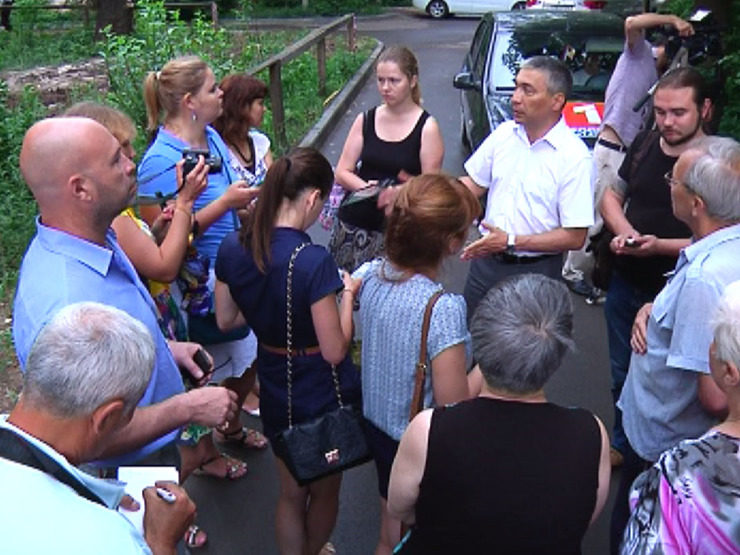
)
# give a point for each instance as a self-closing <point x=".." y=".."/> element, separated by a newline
<point x="536" y="173"/>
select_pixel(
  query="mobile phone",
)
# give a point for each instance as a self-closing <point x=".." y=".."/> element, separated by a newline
<point x="201" y="359"/>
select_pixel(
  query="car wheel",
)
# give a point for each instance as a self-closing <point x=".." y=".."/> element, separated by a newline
<point x="438" y="9"/>
<point x="519" y="6"/>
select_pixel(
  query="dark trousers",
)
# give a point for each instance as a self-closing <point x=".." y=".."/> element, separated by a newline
<point x="488" y="271"/>
<point x="623" y="301"/>
<point x="632" y="467"/>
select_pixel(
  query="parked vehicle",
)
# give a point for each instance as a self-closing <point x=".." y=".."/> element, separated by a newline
<point x="443" y="8"/>
<point x="588" y="41"/>
<point x="566" y="4"/>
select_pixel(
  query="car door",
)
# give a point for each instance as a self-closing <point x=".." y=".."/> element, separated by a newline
<point x="483" y="6"/>
<point x="473" y="107"/>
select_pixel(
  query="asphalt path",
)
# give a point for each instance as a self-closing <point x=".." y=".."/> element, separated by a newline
<point x="239" y="515"/>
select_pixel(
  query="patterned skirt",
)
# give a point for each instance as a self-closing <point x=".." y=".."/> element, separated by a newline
<point x="351" y="246"/>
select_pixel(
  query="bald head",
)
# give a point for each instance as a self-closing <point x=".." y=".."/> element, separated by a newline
<point x="57" y="148"/>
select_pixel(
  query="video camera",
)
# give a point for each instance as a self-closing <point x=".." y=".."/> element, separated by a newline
<point x="704" y="45"/>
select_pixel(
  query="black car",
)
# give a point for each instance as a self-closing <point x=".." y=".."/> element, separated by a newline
<point x="589" y="42"/>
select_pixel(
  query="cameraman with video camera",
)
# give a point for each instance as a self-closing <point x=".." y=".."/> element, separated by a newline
<point x="637" y="70"/>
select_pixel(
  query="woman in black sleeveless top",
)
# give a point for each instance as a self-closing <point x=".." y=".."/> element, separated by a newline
<point x="396" y="140"/>
<point x="507" y="472"/>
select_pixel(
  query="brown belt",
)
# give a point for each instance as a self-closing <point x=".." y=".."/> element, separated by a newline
<point x="296" y="352"/>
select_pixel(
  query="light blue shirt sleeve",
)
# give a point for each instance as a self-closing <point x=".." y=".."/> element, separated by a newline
<point x="448" y="326"/>
<point x="692" y="334"/>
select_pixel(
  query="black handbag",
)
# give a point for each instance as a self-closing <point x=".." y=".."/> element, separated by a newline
<point x="604" y="258"/>
<point x="360" y="208"/>
<point x="327" y="444"/>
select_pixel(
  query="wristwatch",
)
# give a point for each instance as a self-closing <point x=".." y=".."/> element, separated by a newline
<point x="510" y="243"/>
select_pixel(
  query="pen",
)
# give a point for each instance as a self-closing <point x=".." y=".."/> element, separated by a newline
<point x="166" y="495"/>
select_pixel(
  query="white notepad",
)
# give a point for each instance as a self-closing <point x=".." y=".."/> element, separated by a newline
<point x="136" y="479"/>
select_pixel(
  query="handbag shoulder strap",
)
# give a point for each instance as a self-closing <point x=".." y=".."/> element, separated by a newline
<point x="14" y="447"/>
<point x="289" y="329"/>
<point x="417" y="400"/>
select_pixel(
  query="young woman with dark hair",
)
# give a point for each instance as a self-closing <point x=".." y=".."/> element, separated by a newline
<point x="252" y="270"/>
<point x="243" y="110"/>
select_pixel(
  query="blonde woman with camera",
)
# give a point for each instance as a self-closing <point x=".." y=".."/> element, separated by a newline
<point x="184" y="95"/>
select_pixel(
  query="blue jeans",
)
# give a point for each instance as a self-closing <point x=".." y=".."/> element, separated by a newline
<point x="623" y="301"/>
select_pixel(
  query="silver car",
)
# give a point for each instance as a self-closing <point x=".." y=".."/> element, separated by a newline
<point x="443" y="8"/>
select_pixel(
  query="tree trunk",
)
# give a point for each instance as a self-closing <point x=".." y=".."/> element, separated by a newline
<point x="119" y="14"/>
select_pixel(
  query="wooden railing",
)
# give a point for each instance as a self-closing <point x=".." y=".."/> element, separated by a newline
<point x="275" y="63"/>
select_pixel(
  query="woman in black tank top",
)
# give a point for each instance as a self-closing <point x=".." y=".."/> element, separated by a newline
<point x="395" y="141"/>
<point x="506" y="472"/>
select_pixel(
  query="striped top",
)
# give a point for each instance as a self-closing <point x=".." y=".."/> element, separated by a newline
<point x="391" y="312"/>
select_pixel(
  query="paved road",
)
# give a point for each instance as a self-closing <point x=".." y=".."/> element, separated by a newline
<point x="239" y="516"/>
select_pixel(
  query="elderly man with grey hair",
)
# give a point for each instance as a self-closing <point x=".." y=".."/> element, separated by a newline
<point x="669" y="394"/>
<point x="687" y="502"/>
<point x="85" y="374"/>
<point x="536" y="174"/>
<point x="471" y="477"/>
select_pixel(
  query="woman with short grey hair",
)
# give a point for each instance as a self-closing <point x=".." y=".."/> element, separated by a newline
<point x="507" y="471"/>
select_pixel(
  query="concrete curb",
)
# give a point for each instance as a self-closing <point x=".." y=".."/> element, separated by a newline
<point x="318" y="133"/>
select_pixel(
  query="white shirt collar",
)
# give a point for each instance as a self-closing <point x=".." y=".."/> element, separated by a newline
<point x="555" y="136"/>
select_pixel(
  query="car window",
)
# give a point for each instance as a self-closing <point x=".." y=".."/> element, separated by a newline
<point x="479" y="60"/>
<point x="478" y="47"/>
<point x="591" y="59"/>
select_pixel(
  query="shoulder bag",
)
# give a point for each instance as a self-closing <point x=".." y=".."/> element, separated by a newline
<point x="16" y="448"/>
<point x="417" y="400"/>
<point x="329" y="443"/>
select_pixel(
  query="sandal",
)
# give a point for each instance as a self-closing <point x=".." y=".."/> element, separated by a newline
<point x="328" y="549"/>
<point x="235" y="468"/>
<point x="195" y="537"/>
<point x="246" y="437"/>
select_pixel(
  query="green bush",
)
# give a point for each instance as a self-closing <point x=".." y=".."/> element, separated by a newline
<point x="160" y="36"/>
<point x="730" y="65"/>
<point x="18" y="209"/>
<point x="129" y="58"/>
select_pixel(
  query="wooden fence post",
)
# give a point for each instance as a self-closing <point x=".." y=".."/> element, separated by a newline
<point x="276" y="103"/>
<point x="214" y="14"/>
<point x="321" y="65"/>
<point x="351" y="33"/>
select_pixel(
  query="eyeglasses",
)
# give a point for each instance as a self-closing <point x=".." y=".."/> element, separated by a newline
<point x="670" y="180"/>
